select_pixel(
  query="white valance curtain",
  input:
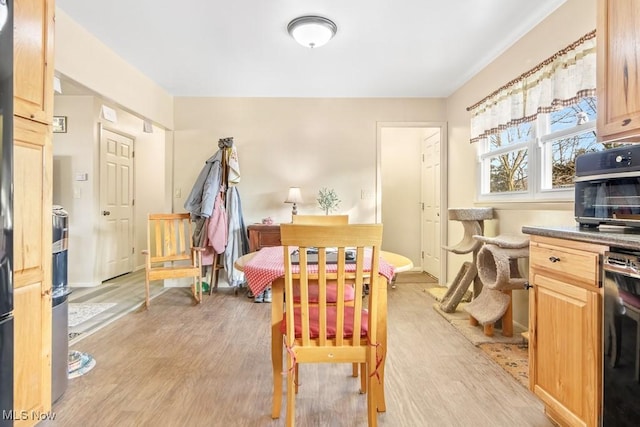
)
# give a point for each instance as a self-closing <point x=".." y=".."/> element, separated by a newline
<point x="559" y="81"/>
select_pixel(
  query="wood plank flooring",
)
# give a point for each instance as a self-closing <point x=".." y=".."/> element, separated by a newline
<point x="181" y="364"/>
<point x="125" y="292"/>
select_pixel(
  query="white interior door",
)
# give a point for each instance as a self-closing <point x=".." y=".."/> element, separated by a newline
<point x="431" y="204"/>
<point x="116" y="203"/>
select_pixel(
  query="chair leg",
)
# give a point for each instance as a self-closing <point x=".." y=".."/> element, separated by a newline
<point x="363" y="378"/>
<point x="291" y="393"/>
<point x="372" y="409"/>
<point x="146" y="291"/>
<point x="354" y="369"/>
<point x="196" y="289"/>
<point x="215" y="272"/>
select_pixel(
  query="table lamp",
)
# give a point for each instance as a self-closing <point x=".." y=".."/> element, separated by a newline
<point x="294" y="197"/>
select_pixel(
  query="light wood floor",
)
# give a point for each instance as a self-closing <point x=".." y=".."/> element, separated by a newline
<point x="125" y="292"/>
<point x="180" y="364"/>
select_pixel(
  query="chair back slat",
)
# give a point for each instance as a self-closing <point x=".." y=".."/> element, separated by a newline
<point x="169" y="237"/>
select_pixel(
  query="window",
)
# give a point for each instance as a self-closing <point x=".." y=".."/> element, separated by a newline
<point x="536" y="160"/>
<point x="530" y="131"/>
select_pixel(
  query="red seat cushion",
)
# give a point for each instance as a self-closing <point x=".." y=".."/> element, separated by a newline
<point x="331" y="322"/>
<point x="332" y="290"/>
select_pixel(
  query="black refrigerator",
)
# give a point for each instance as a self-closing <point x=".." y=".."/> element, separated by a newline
<point x="6" y="213"/>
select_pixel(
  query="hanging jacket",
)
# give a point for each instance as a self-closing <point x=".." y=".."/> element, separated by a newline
<point x="237" y="243"/>
<point x="201" y="199"/>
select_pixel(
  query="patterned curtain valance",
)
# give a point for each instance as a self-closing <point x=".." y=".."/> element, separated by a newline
<point x="559" y="81"/>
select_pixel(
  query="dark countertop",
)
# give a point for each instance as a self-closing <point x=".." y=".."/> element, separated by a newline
<point x="621" y="237"/>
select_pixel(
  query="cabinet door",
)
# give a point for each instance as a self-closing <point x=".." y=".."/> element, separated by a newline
<point x="565" y="349"/>
<point x="32" y="218"/>
<point x="618" y="67"/>
<point x="33" y="59"/>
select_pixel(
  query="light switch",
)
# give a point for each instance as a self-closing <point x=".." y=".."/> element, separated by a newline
<point x="77" y="192"/>
<point x="82" y="176"/>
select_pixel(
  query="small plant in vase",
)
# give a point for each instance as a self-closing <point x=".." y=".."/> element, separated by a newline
<point x="328" y="200"/>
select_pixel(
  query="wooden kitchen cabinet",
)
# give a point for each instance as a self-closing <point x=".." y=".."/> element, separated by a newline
<point x="32" y="212"/>
<point x="618" y="66"/>
<point x="565" y="329"/>
<point x="261" y="235"/>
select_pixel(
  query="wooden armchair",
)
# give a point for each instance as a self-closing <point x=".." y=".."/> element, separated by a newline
<point x="170" y="253"/>
<point x="337" y="332"/>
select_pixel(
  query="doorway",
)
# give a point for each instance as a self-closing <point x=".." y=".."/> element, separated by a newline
<point x="411" y="192"/>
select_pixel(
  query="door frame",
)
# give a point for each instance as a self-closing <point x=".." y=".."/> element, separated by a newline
<point x="444" y="184"/>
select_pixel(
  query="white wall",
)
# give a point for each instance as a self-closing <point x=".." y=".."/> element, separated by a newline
<point x="73" y="153"/>
<point x="77" y="152"/>
<point x="401" y="168"/>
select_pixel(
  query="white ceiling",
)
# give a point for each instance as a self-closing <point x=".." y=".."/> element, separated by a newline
<point x="241" y="48"/>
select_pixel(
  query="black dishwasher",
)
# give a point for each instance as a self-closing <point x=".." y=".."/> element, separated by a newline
<point x="621" y="380"/>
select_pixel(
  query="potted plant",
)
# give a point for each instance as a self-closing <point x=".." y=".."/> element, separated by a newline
<point x="328" y="200"/>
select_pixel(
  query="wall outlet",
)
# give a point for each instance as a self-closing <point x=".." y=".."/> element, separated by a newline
<point x="177" y="193"/>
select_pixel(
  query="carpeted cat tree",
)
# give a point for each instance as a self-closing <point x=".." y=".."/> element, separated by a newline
<point x="497" y="264"/>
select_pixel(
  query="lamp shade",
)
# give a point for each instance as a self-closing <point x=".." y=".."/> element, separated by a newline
<point x="312" y="31"/>
<point x="294" y="196"/>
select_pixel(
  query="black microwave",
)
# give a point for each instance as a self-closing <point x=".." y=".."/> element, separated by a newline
<point x="607" y="187"/>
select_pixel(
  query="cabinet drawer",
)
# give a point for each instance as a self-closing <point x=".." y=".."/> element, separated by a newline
<point x="261" y="235"/>
<point x="571" y="263"/>
<point x="269" y="238"/>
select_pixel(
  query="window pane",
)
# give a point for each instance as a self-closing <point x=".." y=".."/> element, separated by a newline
<point x="509" y="172"/>
<point x="568" y="117"/>
<point x="564" y="152"/>
<point x="513" y="135"/>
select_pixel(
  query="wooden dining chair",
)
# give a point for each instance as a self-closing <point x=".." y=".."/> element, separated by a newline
<point x="325" y="220"/>
<point x="325" y="332"/>
<point x="170" y="253"/>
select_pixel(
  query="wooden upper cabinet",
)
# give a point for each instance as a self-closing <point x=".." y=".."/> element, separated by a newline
<point x="33" y="46"/>
<point x="618" y="32"/>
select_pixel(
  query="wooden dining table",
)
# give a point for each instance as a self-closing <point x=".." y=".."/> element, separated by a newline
<point x="398" y="262"/>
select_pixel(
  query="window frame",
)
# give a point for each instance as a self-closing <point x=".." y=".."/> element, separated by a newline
<point x="538" y="170"/>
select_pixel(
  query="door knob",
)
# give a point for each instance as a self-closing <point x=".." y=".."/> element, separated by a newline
<point x="106" y="213"/>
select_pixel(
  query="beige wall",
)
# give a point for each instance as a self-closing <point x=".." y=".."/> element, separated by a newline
<point x="85" y="59"/>
<point x="567" y="24"/>
<point x="77" y="152"/>
<point x="306" y="142"/>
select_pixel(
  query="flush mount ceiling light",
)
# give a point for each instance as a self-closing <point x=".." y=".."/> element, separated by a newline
<point x="312" y="31"/>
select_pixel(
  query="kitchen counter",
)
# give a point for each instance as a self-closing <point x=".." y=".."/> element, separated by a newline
<point x="621" y="237"/>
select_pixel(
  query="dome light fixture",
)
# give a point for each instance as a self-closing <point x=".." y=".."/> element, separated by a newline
<point x="312" y="31"/>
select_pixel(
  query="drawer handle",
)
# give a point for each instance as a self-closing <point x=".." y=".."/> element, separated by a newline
<point x="527" y="285"/>
<point x="554" y="259"/>
<point x="626" y="122"/>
